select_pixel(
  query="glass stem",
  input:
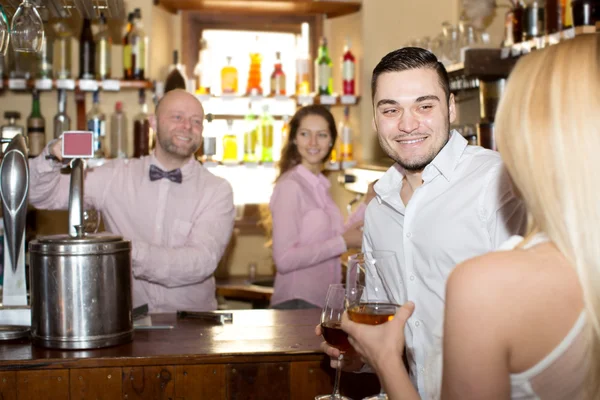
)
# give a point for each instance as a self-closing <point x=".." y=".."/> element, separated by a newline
<point x="338" y="373"/>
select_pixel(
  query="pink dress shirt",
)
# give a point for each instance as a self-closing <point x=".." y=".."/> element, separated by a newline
<point x="307" y="237"/>
<point x="178" y="232"/>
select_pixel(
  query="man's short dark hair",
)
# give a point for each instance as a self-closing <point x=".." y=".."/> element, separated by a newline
<point x="408" y="58"/>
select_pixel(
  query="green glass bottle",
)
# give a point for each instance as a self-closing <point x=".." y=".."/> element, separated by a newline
<point x="323" y="69"/>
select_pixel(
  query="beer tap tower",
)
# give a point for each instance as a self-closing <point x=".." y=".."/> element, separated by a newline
<point x="14" y="189"/>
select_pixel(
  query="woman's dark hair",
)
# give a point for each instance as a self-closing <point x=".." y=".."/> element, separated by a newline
<point x="290" y="157"/>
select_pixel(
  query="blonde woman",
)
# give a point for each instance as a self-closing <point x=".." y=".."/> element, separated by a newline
<point x="524" y="323"/>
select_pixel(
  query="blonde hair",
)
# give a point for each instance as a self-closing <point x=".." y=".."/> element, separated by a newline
<point x="548" y="132"/>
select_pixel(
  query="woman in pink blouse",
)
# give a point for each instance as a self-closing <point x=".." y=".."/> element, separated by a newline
<point x="309" y="234"/>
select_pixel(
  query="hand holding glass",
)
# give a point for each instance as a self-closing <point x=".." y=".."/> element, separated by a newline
<point x="379" y="273"/>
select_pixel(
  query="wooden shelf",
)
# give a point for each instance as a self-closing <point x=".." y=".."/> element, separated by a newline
<point x="331" y="8"/>
<point x="89" y="85"/>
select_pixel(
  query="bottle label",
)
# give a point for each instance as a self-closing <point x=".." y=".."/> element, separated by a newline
<point x="127" y="56"/>
<point x="348" y="70"/>
<point x="103" y="59"/>
<point x="324" y="77"/>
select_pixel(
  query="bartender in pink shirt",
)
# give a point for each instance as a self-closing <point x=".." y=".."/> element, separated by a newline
<point x="309" y="234"/>
<point x="177" y="215"/>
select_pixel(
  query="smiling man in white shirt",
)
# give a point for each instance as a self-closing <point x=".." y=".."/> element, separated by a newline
<point x="442" y="202"/>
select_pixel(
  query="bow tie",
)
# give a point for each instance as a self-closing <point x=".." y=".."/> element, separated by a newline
<point x="157" y="173"/>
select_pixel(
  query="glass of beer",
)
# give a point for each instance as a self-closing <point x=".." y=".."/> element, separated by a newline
<point x="331" y="319"/>
<point x="378" y="272"/>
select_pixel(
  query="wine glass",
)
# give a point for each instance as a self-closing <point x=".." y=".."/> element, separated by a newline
<point x="27" y="28"/>
<point x="91" y="220"/>
<point x="380" y="275"/>
<point x="331" y="319"/>
<point x="4" y="32"/>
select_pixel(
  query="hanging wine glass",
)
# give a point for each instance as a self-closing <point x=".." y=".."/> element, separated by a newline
<point x="4" y="31"/>
<point x="27" y="29"/>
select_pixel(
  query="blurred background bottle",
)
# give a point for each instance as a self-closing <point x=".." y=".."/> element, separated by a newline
<point x="61" y="121"/>
<point x="87" y="52"/>
<point x="96" y="123"/>
<point x="36" y="127"/>
<point x="278" y="77"/>
<point x="61" y="60"/>
<point x="118" y="133"/>
<point x="141" y="128"/>
<point x="103" y="50"/>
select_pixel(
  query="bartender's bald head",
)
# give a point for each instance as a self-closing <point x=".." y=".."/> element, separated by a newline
<point x="176" y="96"/>
<point x="178" y="123"/>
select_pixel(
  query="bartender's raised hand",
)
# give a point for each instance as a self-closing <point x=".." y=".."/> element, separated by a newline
<point x="353" y="235"/>
<point x="55" y="148"/>
<point x="376" y="343"/>
<point x="370" y="195"/>
<point x="352" y="361"/>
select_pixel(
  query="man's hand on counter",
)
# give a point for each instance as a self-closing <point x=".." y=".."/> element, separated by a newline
<point x="352" y="361"/>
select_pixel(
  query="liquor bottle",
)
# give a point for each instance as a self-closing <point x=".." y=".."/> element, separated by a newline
<point x="278" y="78"/>
<point x="266" y="135"/>
<point x="229" y="78"/>
<point x="533" y="25"/>
<point x="139" y="46"/>
<point x="62" y="51"/>
<point x="250" y="136"/>
<point x="103" y="50"/>
<point x="22" y="65"/>
<point x="254" y="76"/>
<point x="323" y="65"/>
<point x="230" y="147"/>
<point x="176" y="78"/>
<point x="302" y="63"/>
<point x="96" y="122"/>
<point x="346" y="138"/>
<point x="87" y="52"/>
<point x="36" y="127"/>
<point x="285" y="129"/>
<point x="119" y="146"/>
<point x="44" y="69"/>
<point x="141" y="128"/>
<point x="553" y="17"/>
<point x="11" y="129"/>
<point x="202" y="68"/>
<point x="518" y="13"/>
<point x="348" y="70"/>
<point x="127" y="70"/>
<point x="62" y="122"/>
<point x="567" y="14"/>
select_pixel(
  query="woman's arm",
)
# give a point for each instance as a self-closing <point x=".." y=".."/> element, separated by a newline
<point x="476" y="345"/>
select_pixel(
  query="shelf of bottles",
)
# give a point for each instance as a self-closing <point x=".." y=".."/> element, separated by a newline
<point x="247" y="121"/>
<point x="535" y="24"/>
<point x="51" y="68"/>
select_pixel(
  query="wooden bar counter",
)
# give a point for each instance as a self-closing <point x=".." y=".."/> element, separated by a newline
<point x="262" y="354"/>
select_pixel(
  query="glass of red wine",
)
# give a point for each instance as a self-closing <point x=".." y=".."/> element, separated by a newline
<point x="331" y="319"/>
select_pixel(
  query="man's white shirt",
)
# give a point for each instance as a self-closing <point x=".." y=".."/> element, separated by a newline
<point x="466" y="207"/>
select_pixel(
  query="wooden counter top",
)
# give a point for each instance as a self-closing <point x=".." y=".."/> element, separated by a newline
<point x="262" y="354"/>
<point x="269" y="333"/>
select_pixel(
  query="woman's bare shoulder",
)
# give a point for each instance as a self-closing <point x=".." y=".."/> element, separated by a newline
<point x="523" y="281"/>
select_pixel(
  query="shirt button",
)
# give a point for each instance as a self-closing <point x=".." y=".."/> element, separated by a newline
<point x="412" y="277"/>
<point x="408" y="234"/>
<point x="422" y="369"/>
<point x="417" y="323"/>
